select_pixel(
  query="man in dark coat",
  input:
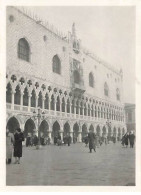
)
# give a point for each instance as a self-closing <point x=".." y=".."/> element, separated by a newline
<point x="126" y="138"/>
<point x="131" y="139"/>
<point x="68" y="139"/>
<point x="86" y="140"/>
<point x="19" y="137"/>
<point x="92" y="140"/>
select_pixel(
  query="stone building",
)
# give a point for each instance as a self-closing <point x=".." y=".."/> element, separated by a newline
<point x="76" y="90"/>
<point x="130" y="117"/>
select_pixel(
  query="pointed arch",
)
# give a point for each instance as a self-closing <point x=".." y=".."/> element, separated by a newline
<point x="76" y="76"/>
<point x="33" y="98"/>
<point x="29" y="127"/>
<point x="9" y="93"/>
<point x="118" y="94"/>
<point x="91" y="79"/>
<point x="25" y="97"/>
<point x="23" y="50"/>
<point x="17" y="95"/>
<point x="106" y="89"/>
<point x="13" y="124"/>
<point x="56" y="64"/>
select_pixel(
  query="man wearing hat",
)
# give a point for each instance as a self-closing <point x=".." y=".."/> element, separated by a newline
<point x="131" y="139"/>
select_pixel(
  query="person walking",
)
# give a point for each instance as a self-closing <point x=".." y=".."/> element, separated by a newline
<point x="126" y="139"/>
<point x="131" y="139"/>
<point x="68" y="139"/>
<point x="92" y="141"/>
<point x="9" y="146"/>
<point x="86" y="140"/>
<point x="19" y="137"/>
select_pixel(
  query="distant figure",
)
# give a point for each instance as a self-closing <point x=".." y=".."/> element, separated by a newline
<point x="92" y="141"/>
<point x="19" y="137"/>
<point x="35" y="140"/>
<point x="28" y="140"/>
<point x="125" y="139"/>
<point x="9" y="146"/>
<point x="131" y="139"/>
<point x="68" y="139"/>
<point x="86" y="140"/>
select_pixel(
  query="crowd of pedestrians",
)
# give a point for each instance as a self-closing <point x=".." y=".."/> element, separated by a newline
<point x="95" y="141"/>
<point x="14" y="141"/>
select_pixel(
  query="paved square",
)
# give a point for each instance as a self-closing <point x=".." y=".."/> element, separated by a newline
<point x="111" y="165"/>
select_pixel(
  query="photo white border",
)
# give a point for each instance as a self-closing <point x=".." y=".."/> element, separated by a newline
<point x="3" y="4"/>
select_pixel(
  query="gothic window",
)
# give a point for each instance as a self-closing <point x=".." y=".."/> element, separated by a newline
<point x="106" y="89"/>
<point x="25" y="97"/>
<point x="91" y="80"/>
<point x="58" y="104"/>
<point x="40" y="97"/>
<point x="118" y="94"/>
<point x="17" y="95"/>
<point x="23" y="50"/>
<point x="46" y="101"/>
<point x="56" y="65"/>
<point x="9" y="93"/>
<point x="33" y="98"/>
<point x="76" y="77"/>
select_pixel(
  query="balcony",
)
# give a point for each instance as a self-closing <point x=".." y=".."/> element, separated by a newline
<point x="78" y="89"/>
<point x="25" y="110"/>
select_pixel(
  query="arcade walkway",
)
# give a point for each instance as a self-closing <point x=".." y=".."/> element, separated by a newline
<point x="51" y="165"/>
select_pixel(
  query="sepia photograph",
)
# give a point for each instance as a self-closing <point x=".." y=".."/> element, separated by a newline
<point x="70" y="96"/>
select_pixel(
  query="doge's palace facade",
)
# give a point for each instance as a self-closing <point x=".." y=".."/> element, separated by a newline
<point x="76" y="90"/>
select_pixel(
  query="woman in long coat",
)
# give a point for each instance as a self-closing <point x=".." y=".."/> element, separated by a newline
<point x="92" y="141"/>
<point x="19" y="137"/>
<point x="9" y="146"/>
<point x="126" y="139"/>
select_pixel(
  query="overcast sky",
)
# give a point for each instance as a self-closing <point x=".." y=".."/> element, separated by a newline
<point x="107" y="31"/>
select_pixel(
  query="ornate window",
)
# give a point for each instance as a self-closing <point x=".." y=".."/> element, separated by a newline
<point x="106" y="89"/>
<point x="76" y="77"/>
<point x="23" y="50"/>
<point x="118" y="94"/>
<point x="91" y="80"/>
<point x="56" y="65"/>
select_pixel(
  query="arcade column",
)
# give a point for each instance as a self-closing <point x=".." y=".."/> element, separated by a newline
<point x="79" y="136"/>
<point x="71" y="134"/>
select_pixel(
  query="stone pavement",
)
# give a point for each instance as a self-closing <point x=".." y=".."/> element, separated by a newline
<point x="111" y="165"/>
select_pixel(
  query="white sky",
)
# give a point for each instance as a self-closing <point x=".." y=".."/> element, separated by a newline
<point x="109" y="32"/>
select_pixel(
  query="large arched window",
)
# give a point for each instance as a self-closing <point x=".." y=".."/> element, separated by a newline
<point x="56" y="65"/>
<point x="23" y="50"/>
<point x="91" y="80"/>
<point x="76" y="77"/>
<point x="118" y="94"/>
<point x="106" y="89"/>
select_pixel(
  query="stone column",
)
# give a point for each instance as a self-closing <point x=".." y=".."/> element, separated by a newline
<point x="61" y="134"/>
<point x="13" y="93"/>
<point x="21" y="101"/>
<point x="60" y="106"/>
<point x="36" y="105"/>
<point x="49" y="134"/>
<point x="79" y="136"/>
<point x="43" y="102"/>
<point x="71" y="134"/>
<point x="55" y="105"/>
<point x="49" y="102"/>
<point x="70" y="107"/>
<point x="29" y="102"/>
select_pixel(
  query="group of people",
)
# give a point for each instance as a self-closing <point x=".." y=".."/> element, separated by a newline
<point x="95" y="141"/>
<point x="14" y="140"/>
<point x="33" y="140"/>
<point x="66" y="140"/>
<point x="128" y="138"/>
